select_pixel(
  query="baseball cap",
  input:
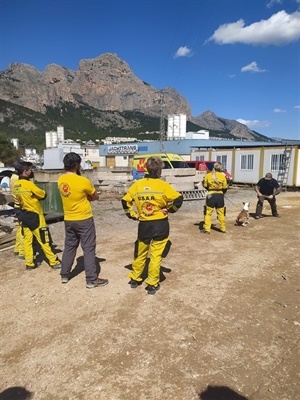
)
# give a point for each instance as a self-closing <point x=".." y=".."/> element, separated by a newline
<point x="268" y="176"/>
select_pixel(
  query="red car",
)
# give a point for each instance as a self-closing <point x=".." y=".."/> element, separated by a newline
<point x="208" y="166"/>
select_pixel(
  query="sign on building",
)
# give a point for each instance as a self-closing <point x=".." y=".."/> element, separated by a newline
<point x="123" y="149"/>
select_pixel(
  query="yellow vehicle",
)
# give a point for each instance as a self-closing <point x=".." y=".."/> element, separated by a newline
<point x="170" y="160"/>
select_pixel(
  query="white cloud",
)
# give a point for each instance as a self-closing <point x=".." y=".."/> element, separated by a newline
<point x="253" y="123"/>
<point x="183" y="51"/>
<point x="278" y="110"/>
<point x="252" y="67"/>
<point x="297" y="107"/>
<point x="279" y="29"/>
<point x="273" y="2"/>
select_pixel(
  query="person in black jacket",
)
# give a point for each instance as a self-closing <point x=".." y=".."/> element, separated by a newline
<point x="267" y="188"/>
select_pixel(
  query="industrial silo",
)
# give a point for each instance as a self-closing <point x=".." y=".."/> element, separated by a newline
<point x="60" y="134"/>
<point x="176" y="126"/>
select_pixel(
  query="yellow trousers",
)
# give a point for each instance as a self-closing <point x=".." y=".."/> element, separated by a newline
<point x="19" y="244"/>
<point x="208" y="218"/>
<point x="155" y="248"/>
<point x="45" y="246"/>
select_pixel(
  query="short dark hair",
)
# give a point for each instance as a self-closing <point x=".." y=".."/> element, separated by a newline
<point x="154" y="164"/>
<point x="16" y="164"/>
<point x="71" y="160"/>
<point x="22" y="166"/>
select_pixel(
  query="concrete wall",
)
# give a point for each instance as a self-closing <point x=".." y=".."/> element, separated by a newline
<point x="183" y="178"/>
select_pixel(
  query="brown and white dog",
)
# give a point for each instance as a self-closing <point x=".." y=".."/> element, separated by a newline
<point x="243" y="217"/>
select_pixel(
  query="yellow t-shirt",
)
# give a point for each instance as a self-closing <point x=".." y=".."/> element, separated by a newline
<point x="14" y="178"/>
<point x="74" y="190"/>
<point x="28" y="195"/>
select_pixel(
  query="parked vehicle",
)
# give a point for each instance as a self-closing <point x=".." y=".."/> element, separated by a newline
<point x="170" y="160"/>
<point x="207" y="166"/>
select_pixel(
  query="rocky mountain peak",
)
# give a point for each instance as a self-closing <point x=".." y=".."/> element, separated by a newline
<point x="209" y="120"/>
<point x="106" y="83"/>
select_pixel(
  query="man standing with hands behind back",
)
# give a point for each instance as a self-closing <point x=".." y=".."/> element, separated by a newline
<point x="76" y="193"/>
<point x="216" y="184"/>
<point x="154" y="199"/>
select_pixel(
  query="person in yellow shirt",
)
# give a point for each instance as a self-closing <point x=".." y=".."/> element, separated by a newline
<point x="216" y="184"/>
<point x="28" y="196"/>
<point x="19" y="243"/>
<point x="77" y="192"/>
<point x="149" y="200"/>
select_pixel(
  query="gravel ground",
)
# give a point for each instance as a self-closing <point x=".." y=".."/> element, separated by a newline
<point x="225" y="324"/>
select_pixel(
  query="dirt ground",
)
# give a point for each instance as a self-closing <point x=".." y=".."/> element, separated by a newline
<point x="224" y="326"/>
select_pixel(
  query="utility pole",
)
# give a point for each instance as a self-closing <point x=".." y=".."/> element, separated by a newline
<point x="162" y="135"/>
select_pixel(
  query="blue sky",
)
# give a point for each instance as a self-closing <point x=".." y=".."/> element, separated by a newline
<point x="237" y="58"/>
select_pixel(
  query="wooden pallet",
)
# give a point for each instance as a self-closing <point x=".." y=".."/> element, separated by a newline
<point x="7" y="237"/>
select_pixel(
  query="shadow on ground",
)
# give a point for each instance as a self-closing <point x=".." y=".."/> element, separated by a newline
<point x="145" y="272"/>
<point x="79" y="267"/>
<point x="16" y="393"/>
<point x="220" y="393"/>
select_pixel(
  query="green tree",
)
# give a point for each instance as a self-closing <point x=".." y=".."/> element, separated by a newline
<point x="8" y="153"/>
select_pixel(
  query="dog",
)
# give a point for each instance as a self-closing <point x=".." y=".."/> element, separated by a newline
<point x="243" y="217"/>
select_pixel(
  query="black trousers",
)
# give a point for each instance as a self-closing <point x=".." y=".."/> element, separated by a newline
<point x="260" y="204"/>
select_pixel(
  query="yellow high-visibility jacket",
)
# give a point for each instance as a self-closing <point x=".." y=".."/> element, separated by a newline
<point x="150" y="195"/>
<point x="215" y="182"/>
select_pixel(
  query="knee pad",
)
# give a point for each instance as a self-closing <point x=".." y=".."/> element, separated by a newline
<point x="166" y="249"/>
<point x="136" y="249"/>
<point x="45" y="235"/>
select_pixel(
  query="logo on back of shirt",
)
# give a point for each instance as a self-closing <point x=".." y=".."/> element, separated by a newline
<point x="64" y="189"/>
<point x="147" y="208"/>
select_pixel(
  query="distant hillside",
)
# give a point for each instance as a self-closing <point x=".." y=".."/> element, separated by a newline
<point x="84" y="122"/>
<point x="102" y="98"/>
<point x="234" y="129"/>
